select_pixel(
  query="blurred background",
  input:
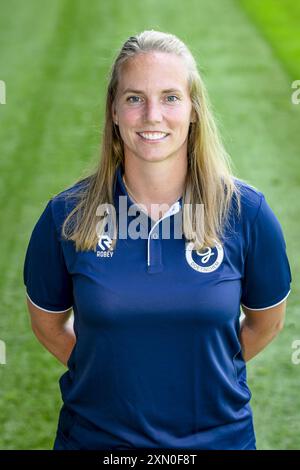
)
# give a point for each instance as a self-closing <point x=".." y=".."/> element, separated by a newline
<point x="54" y="61"/>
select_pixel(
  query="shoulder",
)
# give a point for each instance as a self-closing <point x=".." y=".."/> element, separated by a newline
<point x="257" y="218"/>
<point x="62" y="203"/>
<point x="251" y="199"/>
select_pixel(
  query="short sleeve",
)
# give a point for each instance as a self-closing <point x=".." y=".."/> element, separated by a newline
<point x="267" y="274"/>
<point x="48" y="283"/>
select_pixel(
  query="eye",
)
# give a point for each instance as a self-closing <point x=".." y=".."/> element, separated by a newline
<point x="133" y="96"/>
<point x="173" y="96"/>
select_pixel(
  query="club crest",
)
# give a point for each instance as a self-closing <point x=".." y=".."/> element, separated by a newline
<point x="206" y="260"/>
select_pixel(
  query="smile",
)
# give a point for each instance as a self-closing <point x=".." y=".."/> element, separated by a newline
<point x="153" y="136"/>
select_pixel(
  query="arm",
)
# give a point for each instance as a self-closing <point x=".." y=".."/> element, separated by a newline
<point x="259" y="328"/>
<point x="54" y="331"/>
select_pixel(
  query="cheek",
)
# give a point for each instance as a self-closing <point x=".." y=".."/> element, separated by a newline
<point x="178" y="118"/>
<point x="130" y="117"/>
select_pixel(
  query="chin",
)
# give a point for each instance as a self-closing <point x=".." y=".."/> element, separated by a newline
<point x="152" y="157"/>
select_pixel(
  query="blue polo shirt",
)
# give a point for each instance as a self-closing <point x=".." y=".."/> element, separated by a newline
<point x="157" y="361"/>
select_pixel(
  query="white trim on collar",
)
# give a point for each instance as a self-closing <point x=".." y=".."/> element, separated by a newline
<point x="172" y="210"/>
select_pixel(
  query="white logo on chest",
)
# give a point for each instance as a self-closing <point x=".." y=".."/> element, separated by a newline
<point x="206" y="260"/>
<point x="104" y="244"/>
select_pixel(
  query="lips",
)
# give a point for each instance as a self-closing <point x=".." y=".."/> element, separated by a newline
<point x="155" y="136"/>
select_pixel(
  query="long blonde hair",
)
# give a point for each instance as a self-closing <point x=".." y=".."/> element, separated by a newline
<point x="209" y="181"/>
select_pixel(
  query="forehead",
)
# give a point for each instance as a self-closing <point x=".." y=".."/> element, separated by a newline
<point x="146" y="71"/>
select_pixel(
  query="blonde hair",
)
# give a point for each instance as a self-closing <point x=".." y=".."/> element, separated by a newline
<point x="209" y="177"/>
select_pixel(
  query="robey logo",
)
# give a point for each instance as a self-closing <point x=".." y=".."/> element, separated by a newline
<point x="104" y="244"/>
<point x="206" y="260"/>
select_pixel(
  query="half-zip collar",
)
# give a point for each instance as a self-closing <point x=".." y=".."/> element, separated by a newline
<point x="154" y="241"/>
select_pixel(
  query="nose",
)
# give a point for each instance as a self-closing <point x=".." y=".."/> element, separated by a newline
<point x="153" y="111"/>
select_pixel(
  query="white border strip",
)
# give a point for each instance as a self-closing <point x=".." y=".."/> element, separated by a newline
<point x="45" y="310"/>
<point x="264" y="308"/>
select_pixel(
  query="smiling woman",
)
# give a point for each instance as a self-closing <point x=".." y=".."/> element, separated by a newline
<point x="156" y="355"/>
<point x="156" y="114"/>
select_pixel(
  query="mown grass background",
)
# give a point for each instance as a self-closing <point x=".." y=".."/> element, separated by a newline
<point x="54" y="59"/>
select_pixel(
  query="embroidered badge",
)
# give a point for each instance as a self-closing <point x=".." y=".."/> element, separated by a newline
<point x="206" y="260"/>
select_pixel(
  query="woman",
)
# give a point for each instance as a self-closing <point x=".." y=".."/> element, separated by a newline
<point x="156" y="355"/>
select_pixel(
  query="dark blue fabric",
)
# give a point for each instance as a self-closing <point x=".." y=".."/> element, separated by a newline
<point x="158" y="361"/>
<point x="48" y="282"/>
<point x="264" y="284"/>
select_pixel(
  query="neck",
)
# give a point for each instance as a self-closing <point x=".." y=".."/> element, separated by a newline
<point x="155" y="183"/>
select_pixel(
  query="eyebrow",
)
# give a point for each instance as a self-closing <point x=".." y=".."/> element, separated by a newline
<point x="169" y="90"/>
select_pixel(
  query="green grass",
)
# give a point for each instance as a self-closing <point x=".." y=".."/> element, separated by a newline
<point x="55" y="58"/>
<point x="277" y="22"/>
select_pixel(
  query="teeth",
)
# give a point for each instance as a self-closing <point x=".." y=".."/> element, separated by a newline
<point x="152" y="135"/>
